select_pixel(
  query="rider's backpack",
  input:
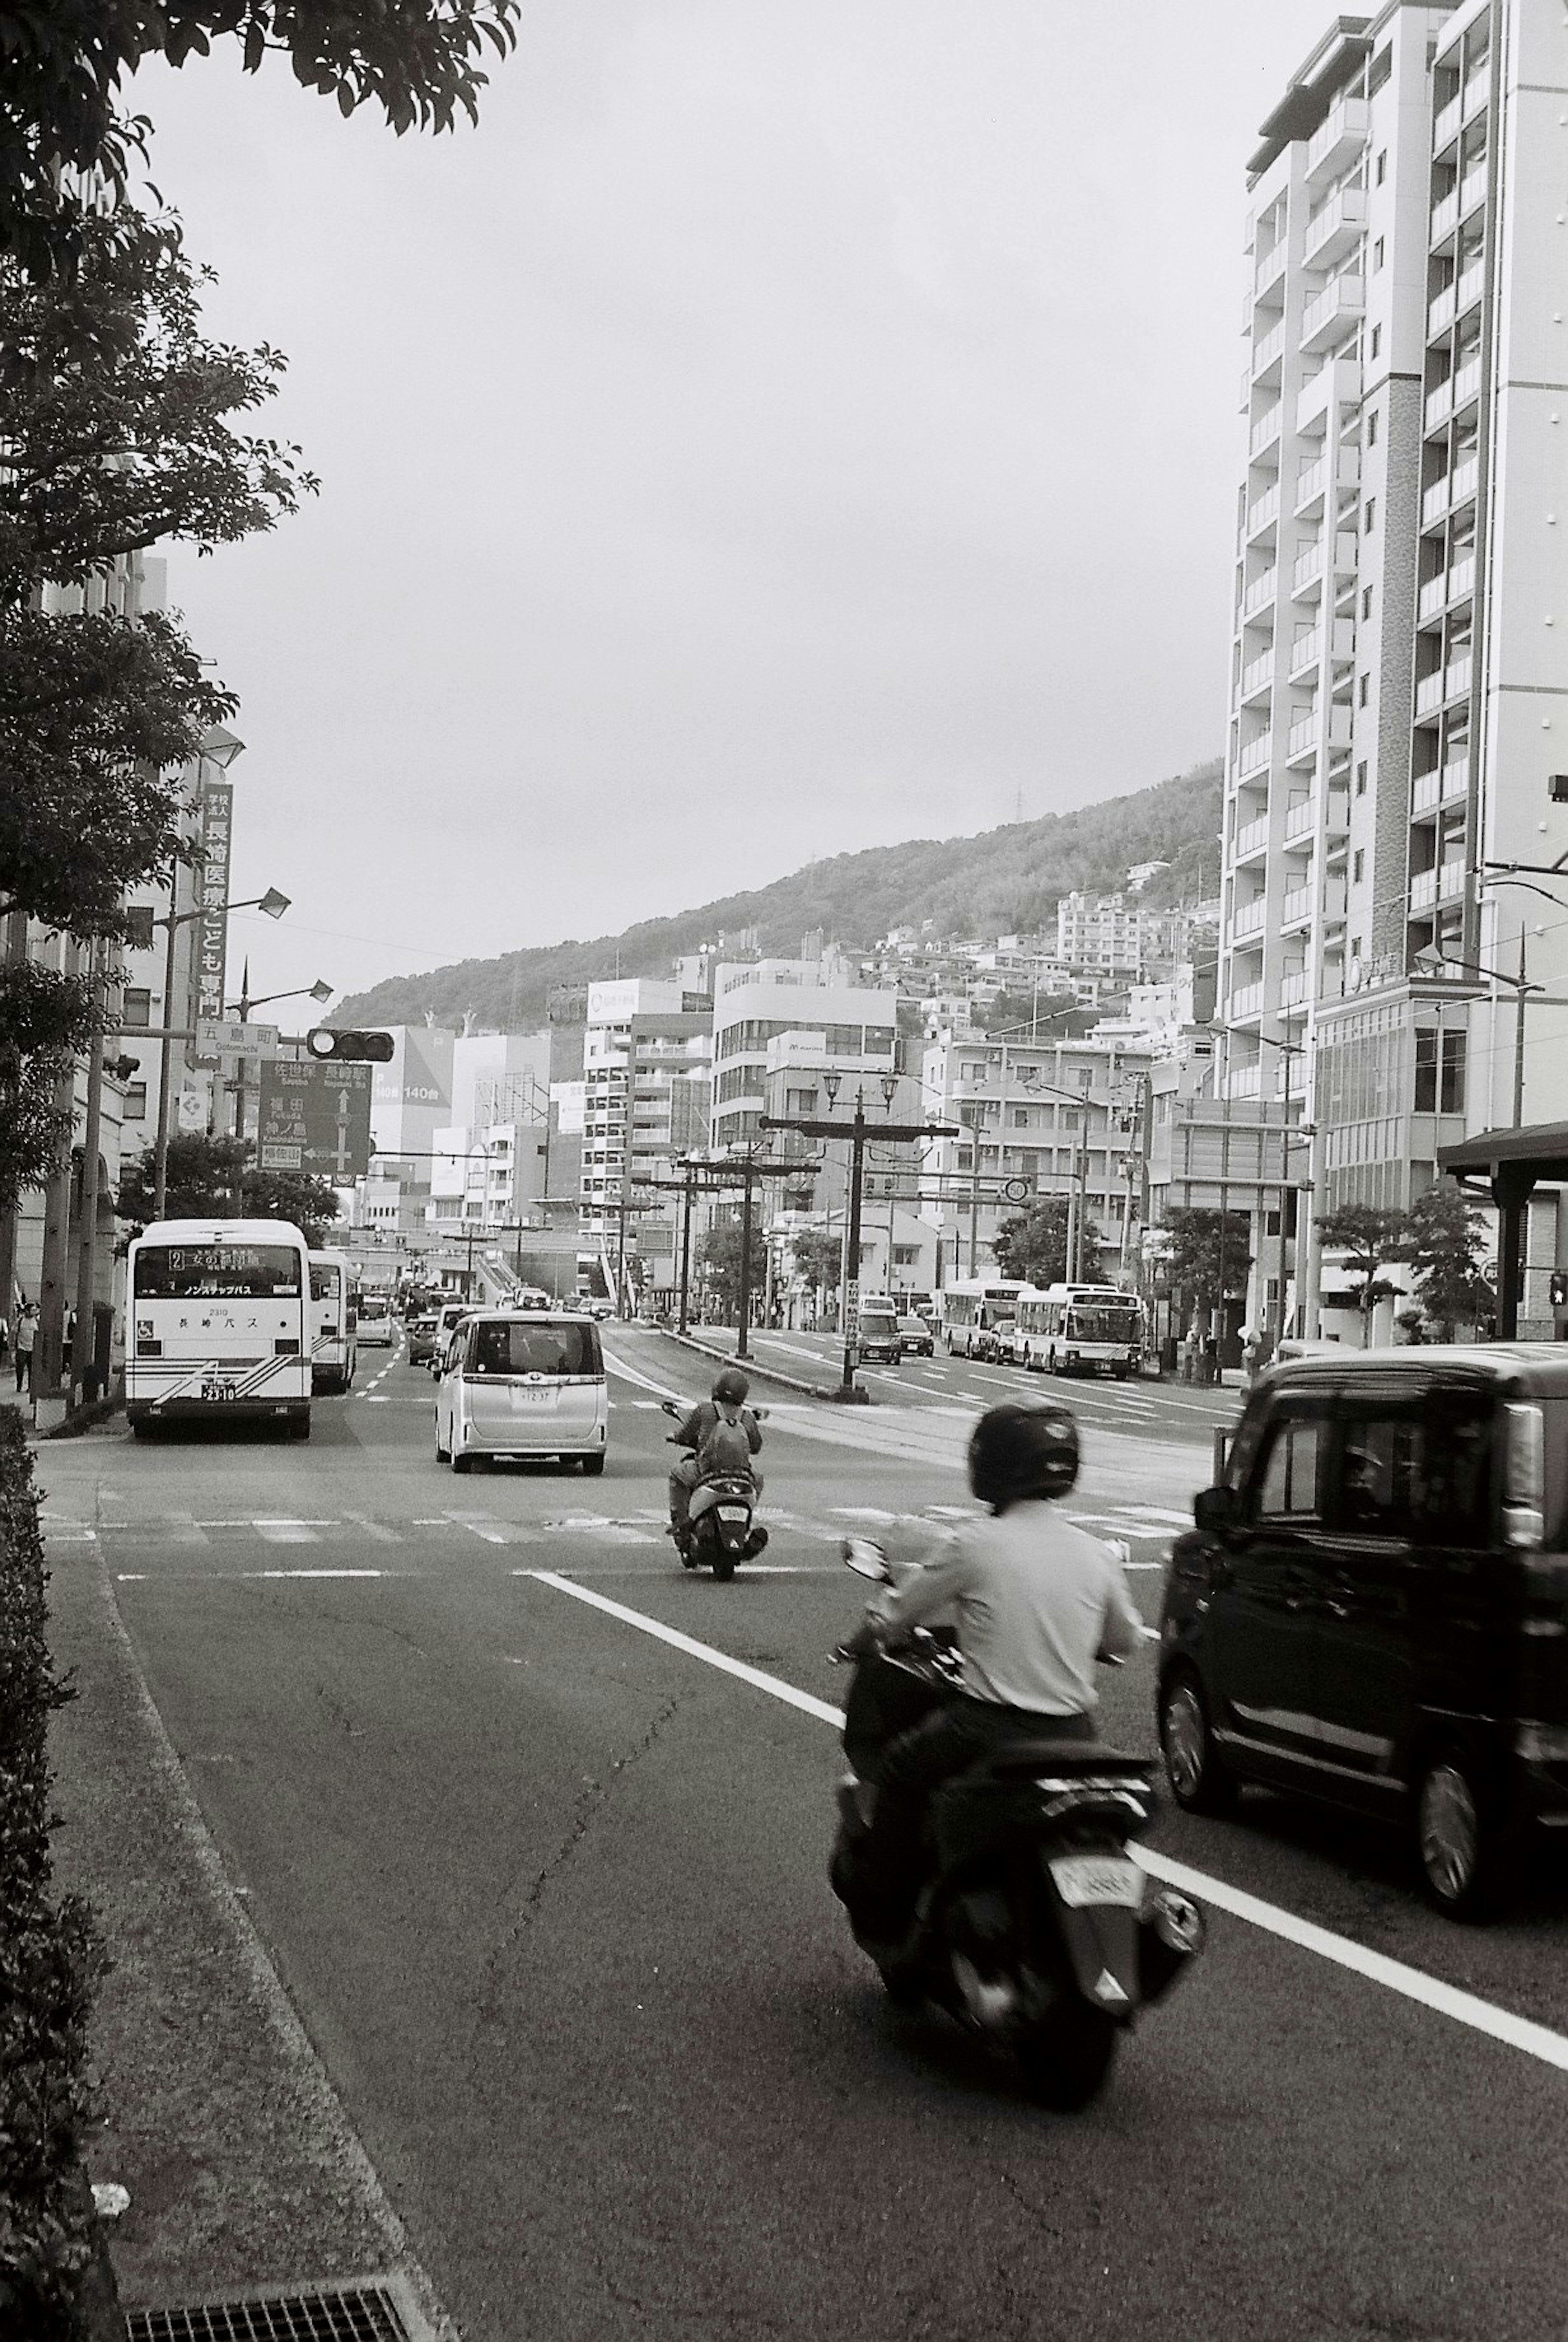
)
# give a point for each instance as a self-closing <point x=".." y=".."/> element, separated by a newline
<point x="725" y="1452"/>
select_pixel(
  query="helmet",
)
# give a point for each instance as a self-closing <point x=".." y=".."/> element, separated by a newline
<point x="731" y="1388"/>
<point x="1022" y="1451"/>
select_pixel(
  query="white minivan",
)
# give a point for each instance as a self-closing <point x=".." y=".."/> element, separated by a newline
<point x="524" y="1383"/>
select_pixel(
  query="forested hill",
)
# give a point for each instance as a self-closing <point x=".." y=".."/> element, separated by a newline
<point x="1005" y="881"/>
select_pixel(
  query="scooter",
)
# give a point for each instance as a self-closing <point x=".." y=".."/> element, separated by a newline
<point x="1034" y="1928"/>
<point x="721" y="1526"/>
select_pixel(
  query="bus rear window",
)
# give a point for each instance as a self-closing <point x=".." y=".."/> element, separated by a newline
<point x="216" y="1273"/>
<point x="323" y="1283"/>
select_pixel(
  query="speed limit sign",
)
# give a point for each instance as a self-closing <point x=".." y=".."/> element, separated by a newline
<point x="1015" y="1191"/>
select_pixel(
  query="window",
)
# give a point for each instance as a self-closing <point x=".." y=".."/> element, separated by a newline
<point x="1366" y="601"/>
<point x="1420" y="1471"/>
<point x="509" y="1349"/>
<point x="1358" y="866"/>
<point x="137" y="1006"/>
<point x="1360" y="778"/>
<point x="1360" y="691"/>
<point x="1371" y="514"/>
<point x="1376" y="339"/>
<point x="139" y="926"/>
<point x="136" y="1106"/>
<point x="1371" y="428"/>
<point x="1439" y="1072"/>
<point x="1379" y="169"/>
<point x="1377" y="256"/>
<point x="1019" y="1117"/>
<point x="1289" y="1483"/>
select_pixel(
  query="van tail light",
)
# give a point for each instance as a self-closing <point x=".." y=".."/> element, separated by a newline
<point x="1525" y="1475"/>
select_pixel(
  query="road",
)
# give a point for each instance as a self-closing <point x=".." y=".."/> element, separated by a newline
<point x="549" y="1895"/>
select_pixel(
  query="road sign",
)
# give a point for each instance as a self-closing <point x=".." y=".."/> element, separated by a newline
<point x="1016" y="1191"/>
<point x="314" y="1118"/>
<point x="230" y="1037"/>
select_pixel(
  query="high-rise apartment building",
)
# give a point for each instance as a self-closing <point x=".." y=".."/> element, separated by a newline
<point x="1399" y="686"/>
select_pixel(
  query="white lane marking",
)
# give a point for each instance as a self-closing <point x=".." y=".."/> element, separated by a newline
<point x="309" y="1573"/>
<point x="643" y="1382"/>
<point x="130" y="1578"/>
<point x="1159" y="1513"/>
<point x="804" y="1700"/>
<point x="1446" y="2000"/>
<point x="481" y="1525"/>
<point x="377" y="1531"/>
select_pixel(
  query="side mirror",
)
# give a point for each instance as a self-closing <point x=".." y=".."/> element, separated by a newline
<point x="1214" y="1508"/>
<point x="761" y="1413"/>
<point x="670" y="1407"/>
<point x="866" y="1560"/>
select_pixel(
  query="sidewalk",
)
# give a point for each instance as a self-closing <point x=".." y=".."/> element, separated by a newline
<point x="243" y="2171"/>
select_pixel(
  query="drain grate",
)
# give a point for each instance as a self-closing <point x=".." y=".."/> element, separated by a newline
<point x="354" y="2313"/>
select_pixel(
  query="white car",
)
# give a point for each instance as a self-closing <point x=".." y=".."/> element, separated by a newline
<point x="524" y="1383"/>
<point x="378" y="1329"/>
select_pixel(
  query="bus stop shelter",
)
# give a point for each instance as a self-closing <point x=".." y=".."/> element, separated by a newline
<point x="1513" y="1163"/>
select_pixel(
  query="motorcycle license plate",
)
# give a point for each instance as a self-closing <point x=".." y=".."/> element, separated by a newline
<point x="1084" y="1878"/>
<point x="220" y="1392"/>
<point x="732" y="1512"/>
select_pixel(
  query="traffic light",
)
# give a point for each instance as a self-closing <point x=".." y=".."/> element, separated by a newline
<point x="1559" y="1288"/>
<point x="375" y="1048"/>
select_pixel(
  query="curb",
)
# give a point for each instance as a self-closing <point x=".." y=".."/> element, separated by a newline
<point x="750" y="1367"/>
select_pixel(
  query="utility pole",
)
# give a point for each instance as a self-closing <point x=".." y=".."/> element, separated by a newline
<point x="857" y="1131"/>
<point x="83" y="1344"/>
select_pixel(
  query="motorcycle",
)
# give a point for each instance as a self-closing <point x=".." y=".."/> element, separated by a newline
<point x="1035" y="1926"/>
<point x="721" y="1527"/>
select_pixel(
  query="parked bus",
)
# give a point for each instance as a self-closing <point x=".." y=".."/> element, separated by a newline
<point x="335" y="1321"/>
<point x="977" y="1314"/>
<point x="1081" y="1329"/>
<point x="219" y="1317"/>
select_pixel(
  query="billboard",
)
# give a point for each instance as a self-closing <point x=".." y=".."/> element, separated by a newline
<point x="314" y="1118"/>
<point x="209" y="964"/>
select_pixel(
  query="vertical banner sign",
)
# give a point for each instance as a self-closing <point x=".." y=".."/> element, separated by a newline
<point x="314" y="1118"/>
<point x="209" y="969"/>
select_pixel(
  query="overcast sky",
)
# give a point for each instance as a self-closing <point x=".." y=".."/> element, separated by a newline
<point x="784" y="426"/>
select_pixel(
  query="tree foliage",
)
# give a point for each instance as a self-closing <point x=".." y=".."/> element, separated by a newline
<point x="1033" y="1245"/>
<point x="210" y="1178"/>
<point x="1208" y="1257"/>
<point x="66" y="62"/>
<point x="1371" y="1238"/>
<point x="720" y="1256"/>
<point x="44" y="1021"/>
<point x="818" y="1258"/>
<point x="1444" y="1242"/>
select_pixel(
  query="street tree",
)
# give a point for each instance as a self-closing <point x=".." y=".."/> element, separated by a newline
<point x="720" y="1256"/>
<point x="43" y="1022"/>
<point x="1208" y="1257"/>
<point x="818" y="1258"/>
<point x="1443" y="1244"/>
<point x="65" y="65"/>
<point x="1032" y="1243"/>
<point x="1372" y="1238"/>
<point x="217" y="1179"/>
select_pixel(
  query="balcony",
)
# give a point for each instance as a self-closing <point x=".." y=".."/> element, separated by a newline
<point x="1257" y="678"/>
<point x="1263" y="511"/>
<point x="1300" y="820"/>
<point x="1245" y="1082"/>
<point x="1248" y="1002"/>
<point x="1472" y="189"/>
<point x="1464" y="478"/>
<point x="1307" y="566"/>
<point x="1338" y="384"/>
<point x="1341" y="134"/>
<point x="1305" y="651"/>
<point x="1267" y="351"/>
<point x="1260" y="593"/>
<point x="1294" y="990"/>
<point x="1440" y="314"/>
<point x="1433" y="597"/>
<point x="1336" y="821"/>
<point x="1302" y="737"/>
<point x="1456" y="677"/>
<point x="1336" y="229"/>
<point x="1423" y="891"/>
<point x="1270" y="268"/>
<point x="1251" y="920"/>
<point x="1476" y="88"/>
<point x="1429" y="693"/>
<point x="1461" y="579"/>
<point x="1467" y="382"/>
<point x="1335" y="314"/>
<point x="1253" y="839"/>
<point x="1445" y="129"/>
<point x="1342" y="641"/>
<point x="1438" y="407"/>
<point x="1455" y="780"/>
<point x="1470" y="288"/>
<point x="1427" y="793"/>
<point x="1264" y="432"/>
<point x="1255" y="756"/>
<point x="1445" y="217"/>
<point x="1434" y="503"/>
<point x="1450" y="882"/>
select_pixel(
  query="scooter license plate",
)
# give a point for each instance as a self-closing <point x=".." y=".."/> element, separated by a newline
<point x="1082" y="1878"/>
<point x="731" y="1512"/>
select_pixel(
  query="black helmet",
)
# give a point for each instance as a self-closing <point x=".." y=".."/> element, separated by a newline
<point x="730" y="1388"/>
<point x="1022" y="1451"/>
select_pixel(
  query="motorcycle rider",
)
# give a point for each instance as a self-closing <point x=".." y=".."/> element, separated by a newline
<point x="726" y="1406"/>
<point x="1034" y="1602"/>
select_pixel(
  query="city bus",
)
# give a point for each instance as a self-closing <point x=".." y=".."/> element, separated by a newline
<point x="1081" y="1329"/>
<point x="977" y="1314"/>
<point x="335" y="1321"/>
<point x="219" y="1313"/>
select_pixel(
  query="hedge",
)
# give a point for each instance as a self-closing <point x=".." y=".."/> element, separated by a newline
<point x="50" y="1961"/>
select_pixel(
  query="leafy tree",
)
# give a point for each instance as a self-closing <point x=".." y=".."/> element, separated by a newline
<point x="1032" y="1243"/>
<point x="818" y="1256"/>
<point x="1208" y="1257"/>
<point x="65" y="61"/>
<point x="1370" y="1237"/>
<point x="1443" y="1244"/>
<point x="43" y="1022"/>
<point x="208" y="1178"/>
<point x="720" y="1255"/>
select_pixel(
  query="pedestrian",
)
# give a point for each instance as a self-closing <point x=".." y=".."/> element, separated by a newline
<point x="26" y="1335"/>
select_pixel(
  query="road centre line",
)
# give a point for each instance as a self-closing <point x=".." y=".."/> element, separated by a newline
<point x="1466" y="2008"/>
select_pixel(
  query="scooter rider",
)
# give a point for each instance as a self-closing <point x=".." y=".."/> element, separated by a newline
<point x="1034" y="1602"/>
<point x="727" y="1405"/>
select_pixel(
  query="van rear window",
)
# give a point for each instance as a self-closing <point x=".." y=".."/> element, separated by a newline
<point x="535" y="1350"/>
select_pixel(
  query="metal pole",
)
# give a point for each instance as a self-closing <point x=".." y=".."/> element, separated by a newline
<point x="161" y="1154"/>
<point x="686" y="1255"/>
<point x="82" y="1343"/>
<point x="974" y="1128"/>
<point x="14" y="930"/>
<point x="1518" y="1044"/>
<point x="852" y="1247"/>
<point x="1279" y="1314"/>
<point x="621" y="1248"/>
<point x="745" y="1312"/>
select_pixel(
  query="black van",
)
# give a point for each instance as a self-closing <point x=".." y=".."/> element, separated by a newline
<point x="1373" y="1607"/>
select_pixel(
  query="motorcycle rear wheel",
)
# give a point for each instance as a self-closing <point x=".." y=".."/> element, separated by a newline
<point x="1065" y="2060"/>
<point x="724" y="1562"/>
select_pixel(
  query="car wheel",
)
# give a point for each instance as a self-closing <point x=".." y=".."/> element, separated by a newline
<point x="1199" y="1781"/>
<point x="593" y="1467"/>
<point x="462" y="1463"/>
<point x="443" y="1455"/>
<point x="1461" y="1843"/>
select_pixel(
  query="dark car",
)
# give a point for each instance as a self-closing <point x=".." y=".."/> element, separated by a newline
<point x="877" y="1336"/>
<point x="1373" y="1607"/>
<point x="422" y="1338"/>
<point x="915" y="1338"/>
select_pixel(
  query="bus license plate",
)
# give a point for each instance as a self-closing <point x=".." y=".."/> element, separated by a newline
<point x="219" y="1392"/>
<point x="1097" y="1878"/>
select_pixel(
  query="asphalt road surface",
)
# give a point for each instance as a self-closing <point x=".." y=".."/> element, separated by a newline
<point x="549" y="1892"/>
